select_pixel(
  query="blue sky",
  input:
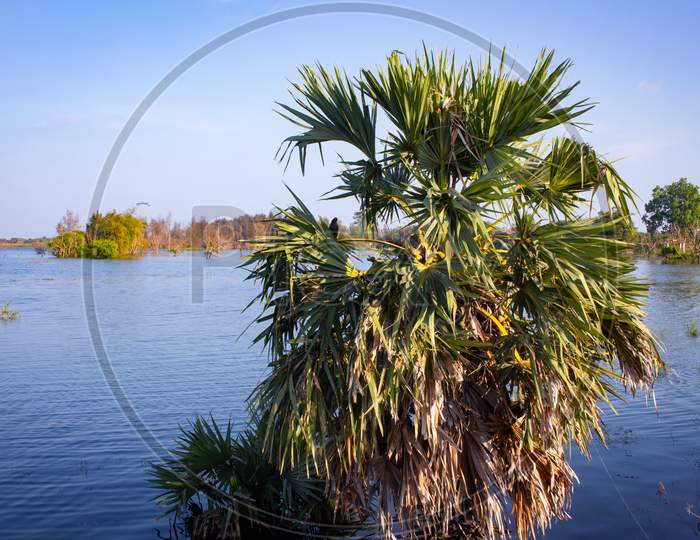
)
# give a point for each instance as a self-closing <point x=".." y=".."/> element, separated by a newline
<point x="74" y="71"/>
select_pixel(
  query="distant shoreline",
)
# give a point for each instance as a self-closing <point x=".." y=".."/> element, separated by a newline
<point x="148" y="250"/>
<point x="37" y="243"/>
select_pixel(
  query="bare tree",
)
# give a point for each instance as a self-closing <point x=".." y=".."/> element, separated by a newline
<point x="215" y="236"/>
<point x="69" y="222"/>
<point x="157" y="233"/>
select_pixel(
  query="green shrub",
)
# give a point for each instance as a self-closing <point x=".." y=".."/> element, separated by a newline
<point x="673" y="252"/>
<point x="124" y="229"/>
<point x="68" y="245"/>
<point x="102" y="249"/>
<point x="109" y="236"/>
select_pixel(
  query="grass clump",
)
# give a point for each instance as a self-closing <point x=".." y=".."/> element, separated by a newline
<point x="7" y="314"/>
<point x="693" y="330"/>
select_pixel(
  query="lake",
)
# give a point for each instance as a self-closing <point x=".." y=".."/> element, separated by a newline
<point x="72" y="466"/>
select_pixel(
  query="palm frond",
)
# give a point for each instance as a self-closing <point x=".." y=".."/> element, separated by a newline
<point x="328" y="108"/>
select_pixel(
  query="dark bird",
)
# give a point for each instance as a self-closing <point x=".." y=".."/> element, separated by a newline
<point x="334" y="227"/>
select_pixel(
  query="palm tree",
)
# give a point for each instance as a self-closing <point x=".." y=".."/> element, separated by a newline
<point x="221" y="486"/>
<point x="443" y="379"/>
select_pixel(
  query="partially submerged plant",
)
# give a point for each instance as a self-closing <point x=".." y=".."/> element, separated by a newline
<point x="7" y="314"/>
<point x="693" y="330"/>
<point x="447" y="380"/>
<point x="223" y="486"/>
<point x="673" y="253"/>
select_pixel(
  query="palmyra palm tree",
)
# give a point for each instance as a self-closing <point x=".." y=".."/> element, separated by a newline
<point x="435" y="383"/>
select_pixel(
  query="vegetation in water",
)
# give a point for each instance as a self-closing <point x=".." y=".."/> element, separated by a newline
<point x="446" y="382"/>
<point x="70" y="244"/>
<point x="223" y="486"/>
<point x="674" y="253"/>
<point x="103" y="249"/>
<point x="8" y="314"/>
<point x="115" y="235"/>
<point x="692" y="330"/>
<point x="111" y="236"/>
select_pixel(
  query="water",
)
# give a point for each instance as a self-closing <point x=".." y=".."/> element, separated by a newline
<point x="71" y="465"/>
<point x="639" y="487"/>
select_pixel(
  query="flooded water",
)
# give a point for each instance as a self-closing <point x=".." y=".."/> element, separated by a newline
<point x="72" y="466"/>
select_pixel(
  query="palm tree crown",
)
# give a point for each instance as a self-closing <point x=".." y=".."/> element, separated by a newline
<point x="442" y="379"/>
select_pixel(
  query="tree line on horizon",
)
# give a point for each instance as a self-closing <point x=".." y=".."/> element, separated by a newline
<point x="126" y="235"/>
<point x="671" y="217"/>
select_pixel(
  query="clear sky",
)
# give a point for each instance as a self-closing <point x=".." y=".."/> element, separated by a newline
<point x="72" y="73"/>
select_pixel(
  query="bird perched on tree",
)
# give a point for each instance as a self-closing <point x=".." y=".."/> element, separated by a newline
<point x="334" y="227"/>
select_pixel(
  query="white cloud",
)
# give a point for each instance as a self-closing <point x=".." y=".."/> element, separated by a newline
<point x="649" y="87"/>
